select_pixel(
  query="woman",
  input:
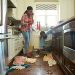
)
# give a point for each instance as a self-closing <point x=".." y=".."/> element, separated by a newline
<point x="26" y="23"/>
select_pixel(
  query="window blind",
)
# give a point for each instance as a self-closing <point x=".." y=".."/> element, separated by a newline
<point x="46" y="0"/>
<point x="46" y="6"/>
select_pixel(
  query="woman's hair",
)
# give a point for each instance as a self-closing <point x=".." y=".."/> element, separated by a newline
<point x="25" y="12"/>
<point x="29" y="8"/>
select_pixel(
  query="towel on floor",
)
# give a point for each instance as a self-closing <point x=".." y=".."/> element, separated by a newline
<point x="49" y="59"/>
<point x="19" y="60"/>
<point x="31" y="60"/>
<point x="23" y="60"/>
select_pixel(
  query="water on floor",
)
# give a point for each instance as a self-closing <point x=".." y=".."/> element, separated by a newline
<point x="39" y="68"/>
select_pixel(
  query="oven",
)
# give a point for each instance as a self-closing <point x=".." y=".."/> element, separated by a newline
<point x="69" y="37"/>
<point x="69" y="47"/>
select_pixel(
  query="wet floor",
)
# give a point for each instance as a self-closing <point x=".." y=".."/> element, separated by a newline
<point x="39" y="68"/>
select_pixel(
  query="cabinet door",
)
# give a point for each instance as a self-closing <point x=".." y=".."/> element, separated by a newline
<point x="18" y="45"/>
<point x="11" y="52"/>
<point x="35" y="39"/>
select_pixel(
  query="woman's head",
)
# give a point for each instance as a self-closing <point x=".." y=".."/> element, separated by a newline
<point x="29" y="10"/>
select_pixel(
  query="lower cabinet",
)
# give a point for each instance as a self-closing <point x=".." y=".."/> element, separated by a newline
<point x="35" y="39"/>
<point x="15" y="45"/>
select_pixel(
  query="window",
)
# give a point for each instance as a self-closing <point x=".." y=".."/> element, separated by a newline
<point x="47" y="15"/>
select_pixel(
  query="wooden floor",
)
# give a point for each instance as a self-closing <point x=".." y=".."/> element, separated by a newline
<point x="39" y="68"/>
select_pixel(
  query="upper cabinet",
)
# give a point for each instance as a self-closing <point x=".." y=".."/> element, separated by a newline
<point x="11" y="4"/>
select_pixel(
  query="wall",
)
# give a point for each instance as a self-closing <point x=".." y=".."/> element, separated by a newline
<point x="14" y="2"/>
<point x="22" y="5"/>
<point x="66" y="9"/>
<point x="9" y="12"/>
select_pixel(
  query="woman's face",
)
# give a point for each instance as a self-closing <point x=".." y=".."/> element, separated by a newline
<point x="30" y="12"/>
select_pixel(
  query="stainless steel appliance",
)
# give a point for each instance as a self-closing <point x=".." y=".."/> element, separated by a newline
<point x="3" y="38"/>
<point x="69" y="39"/>
<point x="69" y="47"/>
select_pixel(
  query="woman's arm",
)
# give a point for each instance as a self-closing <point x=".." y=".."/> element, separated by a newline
<point x="24" y="20"/>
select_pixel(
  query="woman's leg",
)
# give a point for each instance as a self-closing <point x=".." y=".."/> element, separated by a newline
<point x="29" y="34"/>
<point x="26" y="36"/>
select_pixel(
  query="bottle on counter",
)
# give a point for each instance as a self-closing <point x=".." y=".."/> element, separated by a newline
<point x="39" y="26"/>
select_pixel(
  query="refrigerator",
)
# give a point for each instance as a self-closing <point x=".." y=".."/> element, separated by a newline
<point x="3" y="37"/>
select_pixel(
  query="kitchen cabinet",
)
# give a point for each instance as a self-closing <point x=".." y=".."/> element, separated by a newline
<point x="15" y="43"/>
<point x="35" y="39"/>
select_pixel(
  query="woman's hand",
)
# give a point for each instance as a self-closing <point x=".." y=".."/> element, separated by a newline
<point x="31" y="22"/>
